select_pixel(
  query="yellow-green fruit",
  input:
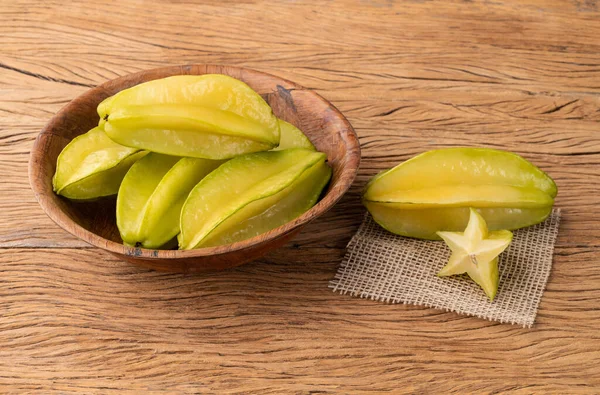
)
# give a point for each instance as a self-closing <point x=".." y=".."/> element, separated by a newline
<point x="151" y="195"/>
<point x="250" y="195"/>
<point x="475" y="252"/>
<point x="92" y="166"/>
<point x="211" y="116"/>
<point x="433" y="192"/>
<point x="292" y="137"/>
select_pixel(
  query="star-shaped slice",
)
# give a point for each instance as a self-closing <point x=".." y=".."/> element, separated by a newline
<point x="475" y="252"/>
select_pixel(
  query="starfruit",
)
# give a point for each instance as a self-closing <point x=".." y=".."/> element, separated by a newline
<point x="92" y="166"/>
<point x="433" y="192"/>
<point x="252" y="194"/>
<point x="210" y="116"/>
<point x="292" y="137"/>
<point x="152" y="194"/>
<point x="475" y="252"/>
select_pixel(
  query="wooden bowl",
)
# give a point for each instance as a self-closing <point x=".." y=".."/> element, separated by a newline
<point x="95" y="222"/>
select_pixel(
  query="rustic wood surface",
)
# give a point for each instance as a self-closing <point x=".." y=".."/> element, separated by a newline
<point x="410" y="76"/>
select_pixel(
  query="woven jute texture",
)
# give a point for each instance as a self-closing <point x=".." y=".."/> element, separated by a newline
<point x="389" y="268"/>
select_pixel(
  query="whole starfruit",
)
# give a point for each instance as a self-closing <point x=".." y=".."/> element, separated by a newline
<point x="433" y="192"/>
<point x="92" y="166"/>
<point x="152" y="194"/>
<point x="252" y="194"/>
<point x="211" y="116"/>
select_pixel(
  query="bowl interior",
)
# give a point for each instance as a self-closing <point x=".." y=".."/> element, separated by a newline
<point x="95" y="222"/>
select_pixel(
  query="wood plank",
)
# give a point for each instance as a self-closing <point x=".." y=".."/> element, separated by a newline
<point x="410" y="76"/>
<point x="274" y="326"/>
<point x="523" y="45"/>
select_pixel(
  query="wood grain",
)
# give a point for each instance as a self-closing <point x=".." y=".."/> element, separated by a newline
<point x="410" y="76"/>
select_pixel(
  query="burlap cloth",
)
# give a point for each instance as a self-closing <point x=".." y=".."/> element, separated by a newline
<point x="389" y="268"/>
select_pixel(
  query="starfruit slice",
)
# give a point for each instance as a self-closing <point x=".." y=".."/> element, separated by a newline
<point x="250" y="195"/>
<point x="152" y="194"/>
<point x="211" y="116"/>
<point x="433" y="192"/>
<point x="292" y="137"/>
<point x="92" y="166"/>
<point x="475" y="252"/>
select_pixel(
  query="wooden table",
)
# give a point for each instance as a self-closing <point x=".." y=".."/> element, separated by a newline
<point x="410" y="76"/>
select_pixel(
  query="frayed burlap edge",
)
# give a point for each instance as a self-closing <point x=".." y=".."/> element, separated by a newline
<point x="384" y="267"/>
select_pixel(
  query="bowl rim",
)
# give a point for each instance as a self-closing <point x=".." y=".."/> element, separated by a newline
<point x="346" y="178"/>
